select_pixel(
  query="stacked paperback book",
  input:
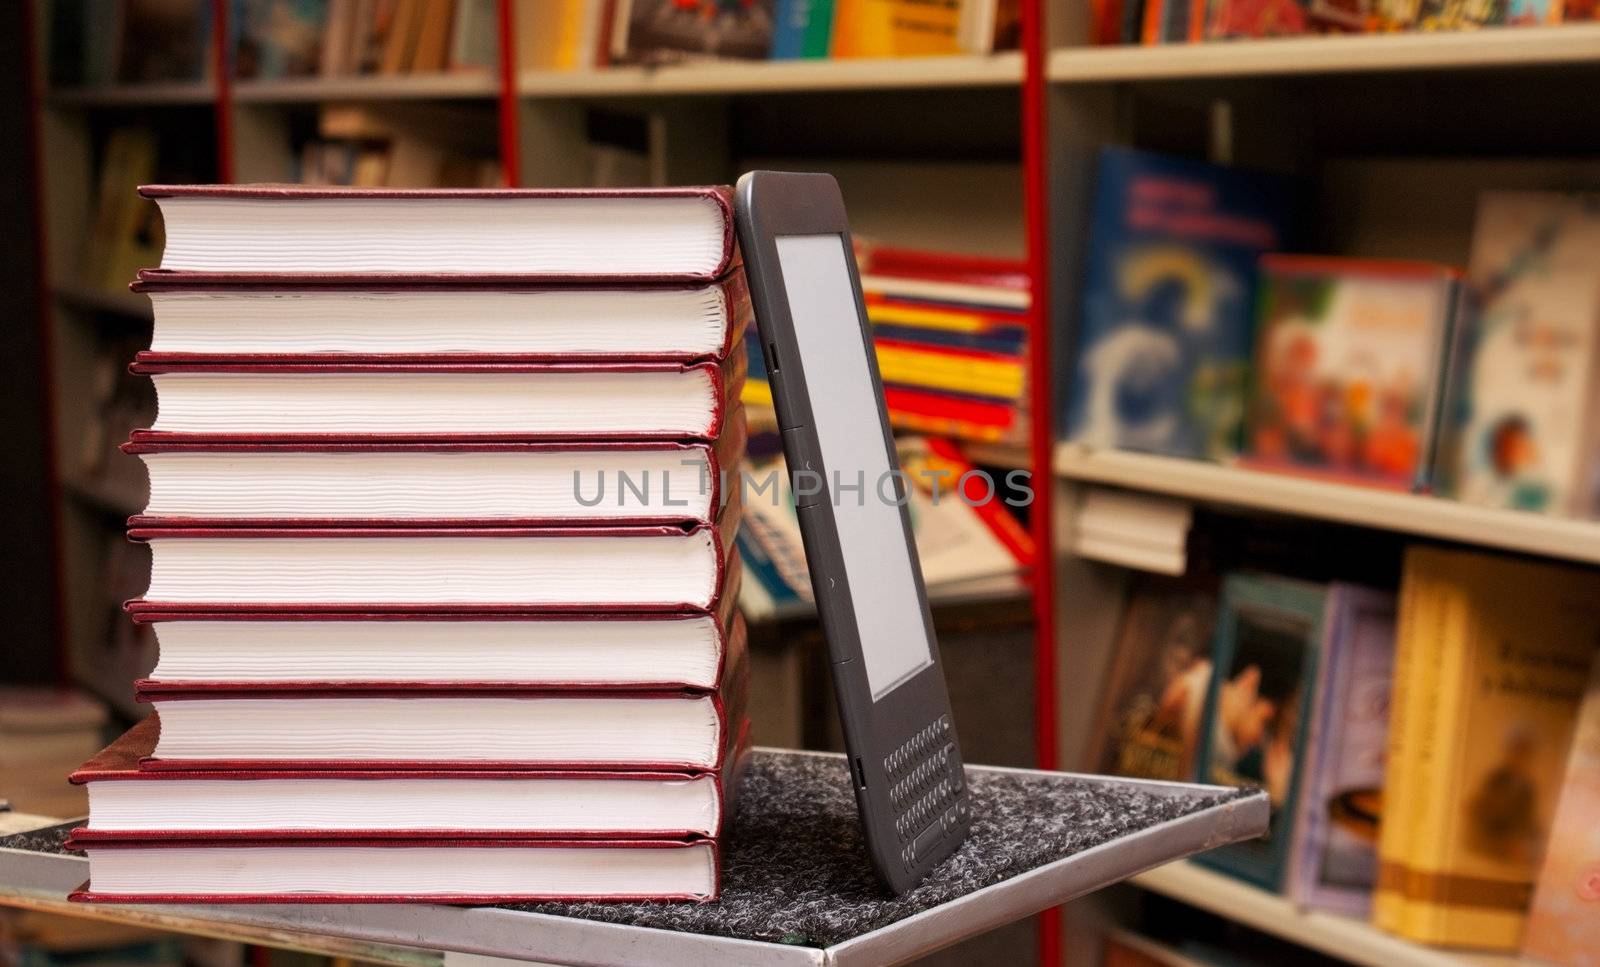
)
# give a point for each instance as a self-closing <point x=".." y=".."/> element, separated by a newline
<point x="443" y="567"/>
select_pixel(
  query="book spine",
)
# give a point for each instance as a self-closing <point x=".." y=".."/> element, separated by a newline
<point x="1437" y="750"/>
<point x="1310" y="820"/>
<point x="1395" y="826"/>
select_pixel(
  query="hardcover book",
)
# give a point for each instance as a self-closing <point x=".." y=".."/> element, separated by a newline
<point x="1526" y="393"/>
<point x="294" y="651"/>
<point x="443" y="728"/>
<point x="398" y="871"/>
<point x="199" y="483"/>
<point x="1564" y="920"/>
<point x="1349" y="365"/>
<point x="277" y="233"/>
<point x="1333" y="862"/>
<point x="223" y="320"/>
<point x="447" y="569"/>
<point x="1165" y="323"/>
<point x="1269" y="638"/>
<point x="292" y="399"/>
<point x="1495" y="705"/>
<point x="128" y="802"/>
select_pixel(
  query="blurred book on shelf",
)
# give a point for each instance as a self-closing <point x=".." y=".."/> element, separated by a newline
<point x="101" y="42"/>
<point x="1269" y="641"/>
<point x="1564" y="921"/>
<point x="1524" y="412"/>
<point x="1153" y="703"/>
<point x="967" y="541"/>
<point x="802" y="29"/>
<point x="414" y="146"/>
<point x="115" y="403"/>
<point x="127" y="231"/>
<point x="672" y="31"/>
<point x="916" y="28"/>
<point x="1165" y="306"/>
<point x="1180" y="21"/>
<point x="1333" y="857"/>
<point x="1349" y="364"/>
<point x="1494" y="656"/>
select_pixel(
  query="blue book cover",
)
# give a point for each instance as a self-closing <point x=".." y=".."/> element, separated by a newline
<point x="1258" y="711"/>
<point x="1165" y="331"/>
<point x="801" y="29"/>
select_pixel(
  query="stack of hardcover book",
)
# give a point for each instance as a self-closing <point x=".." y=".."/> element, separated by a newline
<point x="443" y="568"/>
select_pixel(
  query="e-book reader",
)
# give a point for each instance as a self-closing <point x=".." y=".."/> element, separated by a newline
<point x="851" y="497"/>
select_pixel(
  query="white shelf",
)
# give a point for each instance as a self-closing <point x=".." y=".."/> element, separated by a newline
<point x="368" y="87"/>
<point x="757" y="77"/>
<point x="1424" y="516"/>
<point x="1354" y="53"/>
<point x="122" y="303"/>
<point x="132" y="95"/>
<point x="1354" y="941"/>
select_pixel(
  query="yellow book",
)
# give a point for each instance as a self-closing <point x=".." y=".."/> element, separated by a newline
<point x="1519" y="637"/>
<point x="896" y="28"/>
<point x="1395" y="827"/>
<point x="999" y="378"/>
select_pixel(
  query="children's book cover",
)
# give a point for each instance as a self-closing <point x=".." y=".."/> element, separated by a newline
<point x="1348" y="366"/>
<point x="1164" y="330"/>
<point x="1564" y="921"/>
<point x="1152" y="708"/>
<point x="1268" y="638"/>
<point x="1522" y="408"/>
<point x="1333" y="863"/>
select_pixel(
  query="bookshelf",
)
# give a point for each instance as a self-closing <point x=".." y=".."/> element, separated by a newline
<point x="1352" y="941"/>
<point x="1355" y="53"/>
<point x="1392" y="136"/>
<point x="1242" y="488"/>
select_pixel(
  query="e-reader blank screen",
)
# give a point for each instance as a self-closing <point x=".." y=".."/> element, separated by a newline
<point x="858" y="464"/>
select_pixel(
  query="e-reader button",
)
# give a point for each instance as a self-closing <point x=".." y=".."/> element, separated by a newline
<point x="926" y="840"/>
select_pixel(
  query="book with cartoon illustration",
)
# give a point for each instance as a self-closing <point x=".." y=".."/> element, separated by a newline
<point x="1165" y="322"/>
<point x="1524" y="428"/>
<point x="1348" y="366"/>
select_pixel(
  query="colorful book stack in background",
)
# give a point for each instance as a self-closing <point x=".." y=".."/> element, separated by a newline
<point x="443" y="571"/>
<point x="951" y="334"/>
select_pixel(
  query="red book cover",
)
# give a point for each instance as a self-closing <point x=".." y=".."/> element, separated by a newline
<point x="731" y="650"/>
<point x="724" y="381"/>
<point x="719" y="195"/>
<point x="723" y="456"/>
<point x="87" y="893"/>
<point x="121" y="762"/>
<point x="729" y="701"/>
<point x="733" y="285"/>
<point x="721" y="547"/>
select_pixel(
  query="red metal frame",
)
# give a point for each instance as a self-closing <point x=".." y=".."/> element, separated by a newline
<point x="1036" y="215"/>
<point x="510" y="146"/>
